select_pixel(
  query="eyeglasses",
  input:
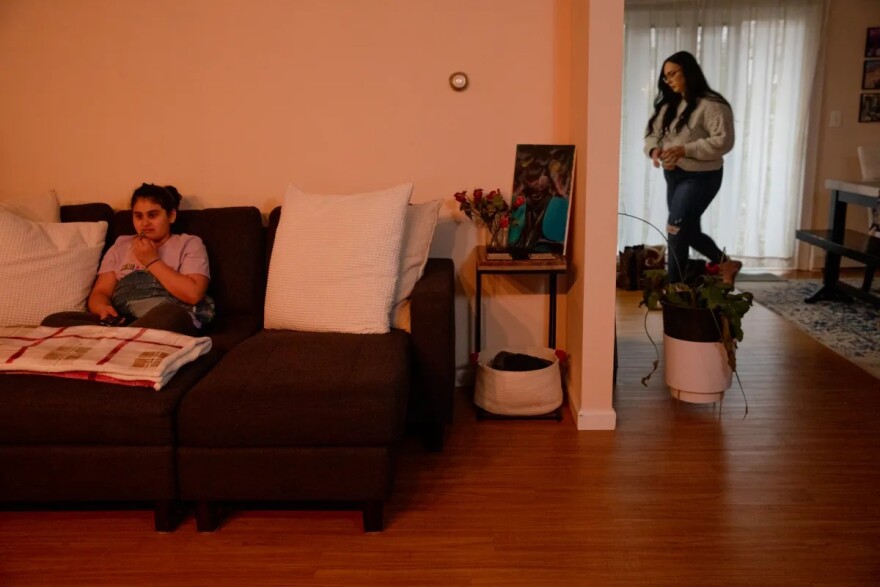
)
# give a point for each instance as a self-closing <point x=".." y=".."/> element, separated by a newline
<point x="672" y="74"/>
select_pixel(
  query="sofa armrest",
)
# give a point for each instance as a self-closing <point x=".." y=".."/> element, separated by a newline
<point x="433" y="350"/>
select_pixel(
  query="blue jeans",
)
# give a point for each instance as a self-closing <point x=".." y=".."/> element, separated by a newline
<point x="688" y="194"/>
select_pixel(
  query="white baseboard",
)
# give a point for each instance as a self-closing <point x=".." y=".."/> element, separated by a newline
<point x="596" y="420"/>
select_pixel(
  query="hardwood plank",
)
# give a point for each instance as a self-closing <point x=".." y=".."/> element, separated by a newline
<point x="678" y="494"/>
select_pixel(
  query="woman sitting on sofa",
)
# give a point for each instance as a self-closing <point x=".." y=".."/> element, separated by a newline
<point x="153" y="279"/>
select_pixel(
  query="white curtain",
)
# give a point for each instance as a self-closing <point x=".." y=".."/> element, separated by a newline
<point x="759" y="54"/>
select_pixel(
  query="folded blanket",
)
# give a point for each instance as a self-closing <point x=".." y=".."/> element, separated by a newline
<point x="130" y="356"/>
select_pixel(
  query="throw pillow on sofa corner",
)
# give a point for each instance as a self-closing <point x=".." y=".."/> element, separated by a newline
<point x="40" y="208"/>
<point x="421" y="220"/>
<point x="336" y="261"/>
<point x="46" y="267"/>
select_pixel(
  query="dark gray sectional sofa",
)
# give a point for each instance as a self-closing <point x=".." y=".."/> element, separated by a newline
<point x="266" y="415"/>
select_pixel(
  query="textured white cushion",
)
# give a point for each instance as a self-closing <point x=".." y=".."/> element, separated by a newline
<point x="336" y="260"/>
<point x="46" y="267"/>
<point x="41" y="208"/>
<point x="421" y="219"/>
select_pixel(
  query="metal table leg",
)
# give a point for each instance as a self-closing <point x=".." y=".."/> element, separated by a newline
<point x="551" y="339"/>
<point x="479" y="311"/>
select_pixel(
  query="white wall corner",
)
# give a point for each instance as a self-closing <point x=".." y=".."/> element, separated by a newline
<point x="597" y="419"/>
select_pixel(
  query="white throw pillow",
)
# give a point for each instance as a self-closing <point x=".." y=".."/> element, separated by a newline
<point x="46" y="267"/>
<point x="421" y="219"/>
<point x="41" y="208"/>
<point x="336" y="260"/>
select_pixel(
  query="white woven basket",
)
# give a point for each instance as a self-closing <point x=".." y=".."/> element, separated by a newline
<point x="518" y="393"/>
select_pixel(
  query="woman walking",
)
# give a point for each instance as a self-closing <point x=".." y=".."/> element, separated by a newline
<point x="689" y="132"/>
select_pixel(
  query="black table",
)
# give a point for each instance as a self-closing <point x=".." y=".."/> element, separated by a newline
<point x="840" y="242"/>
<point x="549" y="267"/>
<point x="486" y="266"/>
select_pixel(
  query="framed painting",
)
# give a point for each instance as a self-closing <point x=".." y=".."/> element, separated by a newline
<point x="869" y="108"/>
<point x="871" y="75"/>
<point x="543" y="177"/>
<point x="872" y="42"/>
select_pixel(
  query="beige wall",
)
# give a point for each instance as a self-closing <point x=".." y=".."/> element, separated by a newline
<point x="232" y="99"/>
<point x="841" y="86"/>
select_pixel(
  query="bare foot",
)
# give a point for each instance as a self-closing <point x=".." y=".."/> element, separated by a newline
<point x="729" y="269"/>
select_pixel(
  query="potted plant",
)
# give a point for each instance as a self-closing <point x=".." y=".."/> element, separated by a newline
<point x="702" y="323"/>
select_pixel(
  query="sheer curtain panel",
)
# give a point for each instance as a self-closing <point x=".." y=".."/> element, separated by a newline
<point x="761" y="55"/>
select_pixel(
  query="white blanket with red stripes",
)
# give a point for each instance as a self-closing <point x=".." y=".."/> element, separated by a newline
<point x="130" y="356"/>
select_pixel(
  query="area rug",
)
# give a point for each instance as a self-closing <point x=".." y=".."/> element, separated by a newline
<point x="849" y="329"/>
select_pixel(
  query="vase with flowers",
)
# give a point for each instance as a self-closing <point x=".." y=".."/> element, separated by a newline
<point x="490" y="210"/>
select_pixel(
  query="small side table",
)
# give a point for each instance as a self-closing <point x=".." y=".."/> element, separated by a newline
<point x="486" y="266"/>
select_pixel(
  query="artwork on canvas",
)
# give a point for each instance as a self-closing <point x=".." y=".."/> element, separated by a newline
<point x="869" y="108"/>
<point x="871" y="75"/>
<point x="544" y="177"/>
<point x="872" y="42"/>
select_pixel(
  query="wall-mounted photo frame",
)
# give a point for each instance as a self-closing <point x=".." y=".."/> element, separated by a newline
<point x="871" y="75"/>
<point x="872" y="42"/>
<point x="869" y="108"/>
<point x="544" y="177"/>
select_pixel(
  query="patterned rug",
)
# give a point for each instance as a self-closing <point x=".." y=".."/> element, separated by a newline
<point x="851" y="330"/>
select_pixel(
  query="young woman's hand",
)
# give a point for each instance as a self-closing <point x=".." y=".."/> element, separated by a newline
<point x="671" y="156"/>
<point x="105" y="311"/>
<point x="101" y="295"/>
<point x="144" y="250"/>
<point x="656" y="156"/>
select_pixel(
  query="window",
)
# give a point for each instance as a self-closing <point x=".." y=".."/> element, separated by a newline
<point x="761" y="55"/>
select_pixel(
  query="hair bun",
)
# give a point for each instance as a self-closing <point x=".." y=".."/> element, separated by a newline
<point x="166" y="196"/>
<point x="173" y="191"/>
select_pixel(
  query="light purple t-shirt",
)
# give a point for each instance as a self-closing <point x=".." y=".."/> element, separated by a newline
<point x="185" y="253"/>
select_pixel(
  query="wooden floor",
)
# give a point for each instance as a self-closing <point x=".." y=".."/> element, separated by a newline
<point x="677" y="495"/>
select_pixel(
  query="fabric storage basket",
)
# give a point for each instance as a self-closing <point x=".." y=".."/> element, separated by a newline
<point x="518" y="393"/>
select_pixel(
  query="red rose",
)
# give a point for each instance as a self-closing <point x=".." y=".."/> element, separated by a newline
<point x="478" y="194"/>
<point x="505" y="222"/>
<point x="460" y="196"/>
<point x="519" y="202"/>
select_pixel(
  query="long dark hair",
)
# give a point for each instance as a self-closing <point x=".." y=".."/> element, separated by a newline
<point x="166" y="196"/>
<point x="696" y="89"/>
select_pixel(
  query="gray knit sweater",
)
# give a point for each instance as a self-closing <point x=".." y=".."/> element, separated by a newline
<point x="707" y="136"/>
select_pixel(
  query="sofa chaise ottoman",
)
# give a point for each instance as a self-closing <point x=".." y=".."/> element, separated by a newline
<point x="317" y="416"/>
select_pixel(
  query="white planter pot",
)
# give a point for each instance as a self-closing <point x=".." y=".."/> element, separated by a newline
<point x="695" y="364"/>
<point x="696" y="371"/>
